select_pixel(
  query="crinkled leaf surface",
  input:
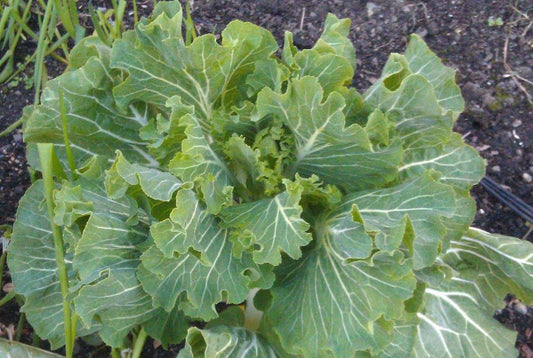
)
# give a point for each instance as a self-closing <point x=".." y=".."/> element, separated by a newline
<point x="156" y="184"/>
<point x="225" y="342"/>
<point x="324" y="146"/>
<point x="411" y="212"/>
<point x="34" y="270"/>
<point x="198" y="161"/>
<point x="422" y="61"/>
<point x="106" y="257"/>
<point x="207" y="271"/>
<point x="419" y="94"/>
<point x="327" y="303"/>
<point x="460" y="165"/>
<point x="95" y="125"/>
<point x="274" y="225"/>
<point x="456" y="320"/>
<point x="203" y="74"/>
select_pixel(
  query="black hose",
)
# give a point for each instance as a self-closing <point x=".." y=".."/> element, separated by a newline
<point x="512" y="201"/>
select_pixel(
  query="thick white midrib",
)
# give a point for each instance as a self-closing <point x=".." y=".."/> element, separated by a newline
<point x="429" y="161"/>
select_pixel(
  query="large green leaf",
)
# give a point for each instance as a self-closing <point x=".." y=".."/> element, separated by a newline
<point x="334" y="38"/>
<point x="94" y="124"/>
<point x="423" y="61"/>
<point x="156" y="184"/>
<point x="199" y="162"/>
<point x="167" y="327"/>
<point x="13" y="349"/>
<point x="324" y="146"/>
<point x="328" y="302"/>
<point x="206" y="268"/>
<point x="270" y="226"/>
<point x="110" y="297"/>
<point x="419" y="94"/>
<point x="32" y="263"/>
<point x="117" y="303"/>
<point x="456" y="319"/>
<point x="225" y="342"/>
<point x="404" y="338"/>
<point x="413" y="107"/>
<point x="411" y="211"/>
<point x="460" y="165"/>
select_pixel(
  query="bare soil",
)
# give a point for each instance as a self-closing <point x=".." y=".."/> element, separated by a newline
<point x="489" y="43"/>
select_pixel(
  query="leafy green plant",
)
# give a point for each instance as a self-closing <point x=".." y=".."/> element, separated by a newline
<point x="495" y="21"/>
<point x="192" y="174"/>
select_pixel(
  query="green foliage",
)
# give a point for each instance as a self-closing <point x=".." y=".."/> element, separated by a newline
<point x="210" y="170"/>
<point x="495" y="21"/>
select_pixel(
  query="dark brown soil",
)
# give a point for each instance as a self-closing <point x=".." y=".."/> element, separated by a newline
<point x="494" y="68"/>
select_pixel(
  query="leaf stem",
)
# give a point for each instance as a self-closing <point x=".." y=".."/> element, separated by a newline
<point x="20" y="326"/>
<point x="2" y="263"/>
<point x="139" y="344"/>
<point x="115" y="353"/>
<point x="70" y="157"/>
<point x="252" y="316"/>
<point x="46" y="155"/>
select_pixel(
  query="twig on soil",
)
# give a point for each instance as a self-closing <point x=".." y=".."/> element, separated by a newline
<point x="302" y="19"/>
<point x="527" y="233"/>
<point x="513" y="75"/>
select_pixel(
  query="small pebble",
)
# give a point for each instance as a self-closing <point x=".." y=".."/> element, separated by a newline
<point x="527" y="178"/>
<point x="496" y="169"/>
<point x="422" y="32"/>
<point x="517" y="123"/>
<point x="371" y="9"/>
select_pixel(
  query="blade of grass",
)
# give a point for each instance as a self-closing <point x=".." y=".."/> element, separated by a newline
<point x="3" y="19"/>
<point x="65" y="17"/>
<point x="190" y="31"/>
<point x="98" y="26"/>
<point x="119" y="16"/>
<point x="46" y="157"/>
<point x="60" y="42"/>
<point x="12" y="39"/>
<point x="41" y="47"/>
<point x="135" y="16"/>
<point x="22" y="23"/>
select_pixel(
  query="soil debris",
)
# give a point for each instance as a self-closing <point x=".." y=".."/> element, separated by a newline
<point x="518" y="317"/>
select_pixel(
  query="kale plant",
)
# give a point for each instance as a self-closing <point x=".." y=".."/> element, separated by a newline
<point x="188" y="175"/>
